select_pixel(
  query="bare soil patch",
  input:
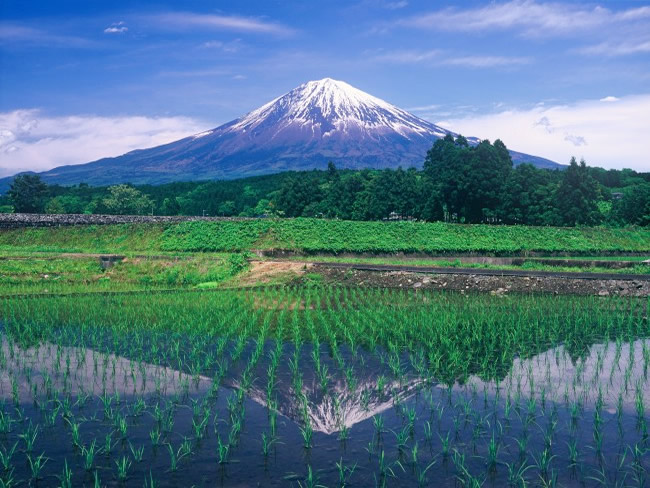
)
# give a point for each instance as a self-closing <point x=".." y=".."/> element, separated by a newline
<point x="271" y="272"/>
<point x="490" y="284"/>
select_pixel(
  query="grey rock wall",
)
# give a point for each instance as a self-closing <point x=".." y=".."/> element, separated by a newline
<point x="18" y="220"/>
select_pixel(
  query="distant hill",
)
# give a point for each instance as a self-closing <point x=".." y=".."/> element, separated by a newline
<point x="317" y="122"/>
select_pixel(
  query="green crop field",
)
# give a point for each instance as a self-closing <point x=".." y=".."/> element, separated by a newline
<point x="324" y="387"/>
<point x="328" y="236"/>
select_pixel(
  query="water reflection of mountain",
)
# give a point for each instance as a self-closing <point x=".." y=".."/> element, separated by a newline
<point x="374" y="389"/>
<point x="616" y="372"/>
<point x="330" y="412"/>
<point x="78" y="370"/>
<point x="610" y="370"/>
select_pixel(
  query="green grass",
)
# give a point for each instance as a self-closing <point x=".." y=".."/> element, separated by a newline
<point x="82" y="275"/>
<point x="328" y="236"/>
<point x="124" y="238"/>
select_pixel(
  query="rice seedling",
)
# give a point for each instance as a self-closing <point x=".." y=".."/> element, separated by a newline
<point x="89" y="454"/>
<point x="5" y="422"/>
<point x="223" y="451"/>
<point x="307" y="434"/>
<point x="29" y="437"/>
<point x="137" y="453"/>
<point x="123" y="466"/>
<point x="155" y="436"/>
<point x="6" y="455"/>
<point x="36" y="465"/>
<point x="65" y="479"/>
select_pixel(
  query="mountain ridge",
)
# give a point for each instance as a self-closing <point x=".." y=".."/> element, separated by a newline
<point x="316" y="122"/>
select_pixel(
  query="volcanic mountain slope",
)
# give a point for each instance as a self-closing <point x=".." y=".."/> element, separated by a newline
<point x="317" y="122"/>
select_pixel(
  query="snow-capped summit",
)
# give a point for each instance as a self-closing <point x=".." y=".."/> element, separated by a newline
<point x="316" y="122"/>
<point x="326" y="106"/>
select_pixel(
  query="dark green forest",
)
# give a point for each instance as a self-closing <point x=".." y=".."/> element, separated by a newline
<point x="458" y="183"/>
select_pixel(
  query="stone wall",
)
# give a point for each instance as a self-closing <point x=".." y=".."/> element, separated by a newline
<point x="17" y="220"/>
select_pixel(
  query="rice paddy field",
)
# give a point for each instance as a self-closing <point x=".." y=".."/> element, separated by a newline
<point x="324" y="386"/>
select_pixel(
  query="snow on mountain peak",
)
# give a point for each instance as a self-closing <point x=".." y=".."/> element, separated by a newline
<point x="331" y="106"/>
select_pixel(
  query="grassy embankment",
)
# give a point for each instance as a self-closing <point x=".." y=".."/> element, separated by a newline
<point x="85" y="274"/>
<point x="326" y="236"/>
<point x="209" y="253"/>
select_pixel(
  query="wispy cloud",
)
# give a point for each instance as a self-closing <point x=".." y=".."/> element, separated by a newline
<point x="605" y="134"/>
<point x="440" y="57"/>
<point x="530" y="17"/>
<point x="116" y="28"/>
<point x="624" y="48"/>
<point x="189" y="20"/>
<point x="195" y="73"/>
<point x="30" y="140"/>
<point x="486" y="61"/>
<point x="423" y="108"/>
<point x="25" y="35"/>
<point x="407" y="56"/>
<point x="396" y="5"/>
<point x="227" y="46"/>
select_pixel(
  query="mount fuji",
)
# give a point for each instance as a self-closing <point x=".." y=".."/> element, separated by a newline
<point x="317" y="122"/>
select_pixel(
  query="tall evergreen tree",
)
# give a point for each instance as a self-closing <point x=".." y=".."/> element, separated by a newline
<point x="469" y="180"/>
<point x="577" y="196"/>
<point x="27" y="193"/>
<point x="634" y="207"/>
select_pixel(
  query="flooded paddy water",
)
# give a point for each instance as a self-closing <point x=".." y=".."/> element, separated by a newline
<point x="324" y="387"/>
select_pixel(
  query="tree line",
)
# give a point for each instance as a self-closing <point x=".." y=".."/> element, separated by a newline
<point x="459" y="182"/>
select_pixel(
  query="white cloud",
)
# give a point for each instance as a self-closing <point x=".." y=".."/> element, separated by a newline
<point x="20" y="34"/>
<point x="610" y="135"/>
<point x="575" y="140"/>
<point x="116" y="28"/>
<point x="30" y="140"/>
<point x="624" y="48"/>
<point x="532" y="18"/>
<point x="423" y="108"/>
<point x="407" y="56"/>
<point x="396" y="5"/>
<point x="486" y="61"/>
<point x="609" y="99"/>
<point x="439" y="57"/>
<point x="227" y="47"/>
<point x="191" y="20"/>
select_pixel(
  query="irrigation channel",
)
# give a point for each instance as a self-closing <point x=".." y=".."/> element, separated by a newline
<point x="324" y="386"/>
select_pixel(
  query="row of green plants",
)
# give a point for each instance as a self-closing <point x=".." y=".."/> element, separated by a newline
<point x="317" y="235"/>
<point x="389" y="387"/>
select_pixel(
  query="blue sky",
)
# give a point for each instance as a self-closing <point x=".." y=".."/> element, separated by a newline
<point x="84" y="79"/>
